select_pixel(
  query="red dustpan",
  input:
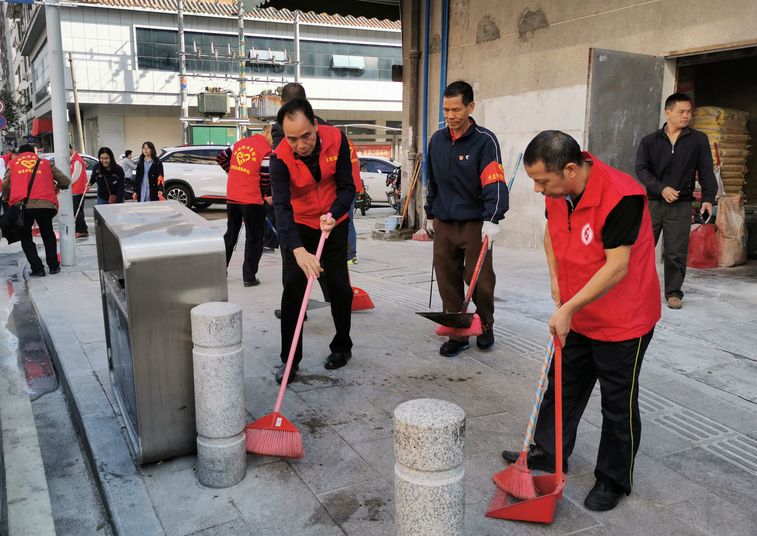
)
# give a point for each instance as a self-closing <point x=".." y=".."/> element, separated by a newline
<point x="550" y="486"/>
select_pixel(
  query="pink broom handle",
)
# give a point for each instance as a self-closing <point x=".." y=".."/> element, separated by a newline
<point x="476" y="271"/>
<point x="300" y="321"/>
<point x="539" y="396"/>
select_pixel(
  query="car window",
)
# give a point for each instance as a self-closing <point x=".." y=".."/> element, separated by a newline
<point x="372" y="166"/>
<point x="89" y="163"/>
<point x="178" y="157"/>
<point x="203" y="156"/>
<point x="385" y="167"/>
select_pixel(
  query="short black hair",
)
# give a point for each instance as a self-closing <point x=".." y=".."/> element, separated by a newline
<point x="26" y="148"/>
<point x="291" y="108"/>
<point x="462" y="88"/>
<point x="671" y="101"/>
<point x="555" y="149"/>
<point x="292" y="90"/>
<point x="127" y="152"/>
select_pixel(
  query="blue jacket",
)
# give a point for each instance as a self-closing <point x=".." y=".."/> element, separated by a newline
<point x="466" y="181"/>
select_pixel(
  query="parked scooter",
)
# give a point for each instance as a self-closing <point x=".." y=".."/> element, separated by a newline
<point x="363" y="201"/>
<point x="394" y="189"/>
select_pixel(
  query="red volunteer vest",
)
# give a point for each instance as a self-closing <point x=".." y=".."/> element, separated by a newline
<point x="78" y="184"/>
<point x="632" y="307"/>
<point x="21" y="171"/>
<point x="247" y="155"/>
<point x="311" y="199"/>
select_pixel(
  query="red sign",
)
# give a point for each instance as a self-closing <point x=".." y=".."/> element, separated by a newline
<point x="374" y="149"/>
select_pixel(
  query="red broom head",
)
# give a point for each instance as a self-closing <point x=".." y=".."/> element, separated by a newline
<point x="274" y="435"/>
<point x="475" y="329"/>
<point x="516" y="479"/>
<point x="360" y="300"/>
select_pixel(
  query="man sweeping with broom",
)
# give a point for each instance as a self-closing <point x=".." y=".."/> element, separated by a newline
<point x="600" y="252"/>
<point x="467" y="197"/>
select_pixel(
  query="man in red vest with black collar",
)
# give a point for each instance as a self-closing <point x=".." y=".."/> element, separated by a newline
<point x="79" y="183"/>
<point x="600" y="252"/>
<point x="312" y="176"/>
<point x="244" y="202"/>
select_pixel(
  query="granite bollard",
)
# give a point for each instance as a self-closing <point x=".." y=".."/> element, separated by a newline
<point x="429" y="436"/>
<point x="218" y="366"/>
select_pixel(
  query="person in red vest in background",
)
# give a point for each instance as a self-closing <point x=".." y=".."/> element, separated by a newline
<point x="79" y="186"/>
<point x="600" y="252"/>
<point x="312" y="177"/>
<point x="244" y="201"/>
<point x="34" y="181"/>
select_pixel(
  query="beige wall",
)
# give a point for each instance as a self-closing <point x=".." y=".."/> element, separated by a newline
<point x="163" y="131"/>
<point x="529" y="81"/>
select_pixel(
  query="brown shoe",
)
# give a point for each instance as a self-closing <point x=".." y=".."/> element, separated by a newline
<point x="674" y="302"/>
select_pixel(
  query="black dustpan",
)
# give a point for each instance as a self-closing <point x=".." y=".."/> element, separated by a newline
<point x="451" y="320"/>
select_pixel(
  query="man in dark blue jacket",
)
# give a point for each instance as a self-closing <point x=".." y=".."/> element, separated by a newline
<point x="467" y="197"/>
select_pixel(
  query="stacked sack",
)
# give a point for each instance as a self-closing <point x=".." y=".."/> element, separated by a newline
<point x="727" y="128"/>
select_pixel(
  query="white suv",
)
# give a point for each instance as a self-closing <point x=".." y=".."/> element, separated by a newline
<point x="192" y="176"/>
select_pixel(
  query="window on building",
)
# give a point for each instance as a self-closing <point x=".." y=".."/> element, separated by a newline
<point x="40" y="76"/>
<point x="348" y="63"/>
<point x="158" y="49"/>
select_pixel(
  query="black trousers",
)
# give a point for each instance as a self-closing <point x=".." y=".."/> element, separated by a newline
<point x="254" y="226"/>
<point x="44" y="218"/>
<point x="616" y="365"/>
<point x="673" y="220"/>
<point x="336" y="280"/>
<point x="81" y="223"/>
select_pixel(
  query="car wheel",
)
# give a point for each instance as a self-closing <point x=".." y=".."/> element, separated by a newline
<point x="180" y="193"/>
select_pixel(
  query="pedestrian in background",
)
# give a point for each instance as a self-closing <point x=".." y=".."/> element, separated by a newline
<point x="148" y="185"/>
<point x="35" y="182"/>
<point x="667" y="163"/>
<point x="127" y="164"/>
<point x="109" y="178"/>
<point x="467" y="197"/>
<point x="244" y="201"/>
<point x="79" y="186"/>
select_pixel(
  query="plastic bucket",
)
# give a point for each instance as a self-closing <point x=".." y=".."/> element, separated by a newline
<point x="392" y="223"/>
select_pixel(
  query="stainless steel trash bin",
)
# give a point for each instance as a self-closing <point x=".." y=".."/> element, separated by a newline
<point x="157" y="261"/>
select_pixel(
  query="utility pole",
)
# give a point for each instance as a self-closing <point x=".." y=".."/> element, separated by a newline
<point x="297" y="46"/>
<point x="242" y="69"/>
<point x="184" y="99"/>
<point x="79" y="128"/>
<point x="60" y="128"/>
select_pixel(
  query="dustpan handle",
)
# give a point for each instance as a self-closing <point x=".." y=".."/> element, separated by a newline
<point x="300" y="322"/>
<point x="476" y="272"/>
<point x="558" y="411"/>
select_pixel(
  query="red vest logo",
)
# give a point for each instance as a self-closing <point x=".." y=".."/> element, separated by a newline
<point x="243" y="157"/>
<point x="28" y="163"/>
<point x="587" y="234"/>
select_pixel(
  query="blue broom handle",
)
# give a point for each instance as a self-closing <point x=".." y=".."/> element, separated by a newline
<point x="539" y="396"/>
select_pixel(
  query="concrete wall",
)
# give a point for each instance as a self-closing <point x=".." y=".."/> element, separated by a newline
<point x="528" y="64"/>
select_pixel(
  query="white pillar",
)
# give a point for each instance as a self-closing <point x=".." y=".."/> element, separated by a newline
<point x="429" y="436"/>
<point x="218" y="366"/>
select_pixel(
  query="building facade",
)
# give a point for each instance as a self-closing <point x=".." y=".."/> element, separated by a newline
<point x="126" y="59"/>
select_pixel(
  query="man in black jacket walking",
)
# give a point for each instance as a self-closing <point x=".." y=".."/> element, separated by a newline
<point x="667" y="163"/>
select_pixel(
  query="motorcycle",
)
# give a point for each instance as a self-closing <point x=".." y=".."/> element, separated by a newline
<point x="394" y="189"/>
<point x="363" y="201"/>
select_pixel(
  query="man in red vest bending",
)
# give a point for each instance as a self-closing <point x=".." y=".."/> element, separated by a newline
<point x="312" y="176"/>
<point x="79" y="183"/>
<point x="600" y="252"/>
<point x="244" y="202"/>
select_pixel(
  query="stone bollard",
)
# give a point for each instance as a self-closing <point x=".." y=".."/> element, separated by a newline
<point x="429" y="435"/>
<point x="218" y="366"/>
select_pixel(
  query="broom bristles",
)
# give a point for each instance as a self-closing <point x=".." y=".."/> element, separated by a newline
<point x="274" y="435"/>
<point x="516" y="479"/>
<point x="475" y="329"/>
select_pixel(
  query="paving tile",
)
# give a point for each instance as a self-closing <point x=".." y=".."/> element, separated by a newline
<point x="712" y="515"/>
<point x="365" y="509"/>
<point x="235" y="527"/>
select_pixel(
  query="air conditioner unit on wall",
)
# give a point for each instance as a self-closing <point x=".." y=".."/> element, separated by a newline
<point x="212" y="103"/>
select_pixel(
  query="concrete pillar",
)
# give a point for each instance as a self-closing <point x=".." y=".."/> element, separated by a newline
<point x="429" y="436"/>
<point x="219" y="393"/>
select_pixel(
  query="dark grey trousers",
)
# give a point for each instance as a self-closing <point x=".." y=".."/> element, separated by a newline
<point x="673" y="220"/>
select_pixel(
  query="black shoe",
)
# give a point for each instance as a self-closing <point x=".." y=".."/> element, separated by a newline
<point x="279" y="374"/>
<point x="605" y="495"/>
<point x="451" y="348"/>
<point x="337" y="360"/>
<point x="538" y="459"/>
<point x="277" y="314"/>
<point x="486" y="339"/>
<point x="38" y="273"/>
<point x="254" y="283"/>
<point x="55" y="270"/>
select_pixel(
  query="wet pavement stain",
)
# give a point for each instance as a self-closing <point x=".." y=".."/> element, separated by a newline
<point x="310" y="379"/>
<point x="315" y="425"/>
